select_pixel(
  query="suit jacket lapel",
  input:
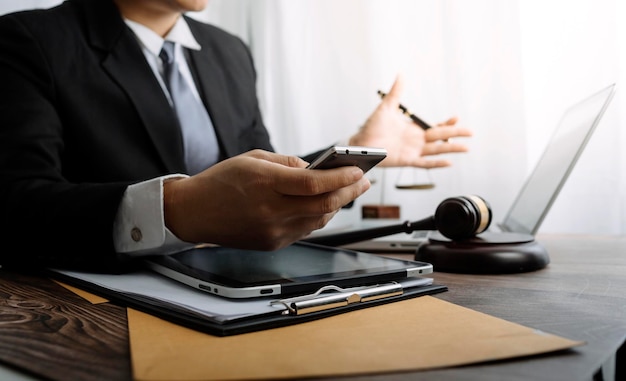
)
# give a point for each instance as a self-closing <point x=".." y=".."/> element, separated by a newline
<point x="126" y="64"/>
<point x="151" y="104"/>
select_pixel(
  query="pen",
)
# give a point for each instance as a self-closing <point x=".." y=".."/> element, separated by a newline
<point x="425" y="126"/>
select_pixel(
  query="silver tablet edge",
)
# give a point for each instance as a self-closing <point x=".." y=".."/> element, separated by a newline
<point x="216" y="289"/>
<point x="426" y="268"/>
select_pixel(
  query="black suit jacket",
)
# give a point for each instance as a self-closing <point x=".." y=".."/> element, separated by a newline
<point x="82" y="116"/>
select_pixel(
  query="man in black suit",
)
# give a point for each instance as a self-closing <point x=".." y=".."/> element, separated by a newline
<point x="92" y="162"/>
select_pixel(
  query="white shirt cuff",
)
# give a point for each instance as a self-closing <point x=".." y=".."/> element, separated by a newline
<point x="139" y="227"/>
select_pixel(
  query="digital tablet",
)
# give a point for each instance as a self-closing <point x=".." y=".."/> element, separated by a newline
<point x="301" y="268"/>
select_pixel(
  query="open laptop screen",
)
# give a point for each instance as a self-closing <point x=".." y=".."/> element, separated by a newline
<point x="566" y="145"/>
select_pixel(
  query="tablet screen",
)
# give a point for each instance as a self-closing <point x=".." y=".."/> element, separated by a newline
<point x="295" y="264"/>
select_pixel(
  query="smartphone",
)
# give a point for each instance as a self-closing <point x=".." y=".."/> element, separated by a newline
<point x="339" y="156"/>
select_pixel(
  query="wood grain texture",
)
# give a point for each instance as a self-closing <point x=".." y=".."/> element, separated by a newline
<point x="52" y="332"/>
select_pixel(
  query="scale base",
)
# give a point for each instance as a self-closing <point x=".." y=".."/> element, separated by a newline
<point x="487" y="253"/>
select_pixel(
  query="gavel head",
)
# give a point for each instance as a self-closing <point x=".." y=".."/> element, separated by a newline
<point x="460" y="218"/>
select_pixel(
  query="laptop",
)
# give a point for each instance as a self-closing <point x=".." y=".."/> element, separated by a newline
<point x="538" y="193"/>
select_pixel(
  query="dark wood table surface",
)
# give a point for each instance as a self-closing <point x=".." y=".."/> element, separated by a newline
<point x="49" y="332"/>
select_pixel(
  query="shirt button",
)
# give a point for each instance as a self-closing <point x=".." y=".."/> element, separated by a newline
<point x="135" y="234"/>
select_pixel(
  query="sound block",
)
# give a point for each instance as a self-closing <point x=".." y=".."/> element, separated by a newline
<point x="487" y="253"/>
<point x="380" y="211"/>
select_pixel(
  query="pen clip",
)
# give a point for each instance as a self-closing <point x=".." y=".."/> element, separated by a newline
<point x="315" y="302"/>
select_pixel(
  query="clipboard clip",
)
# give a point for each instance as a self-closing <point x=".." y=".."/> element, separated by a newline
<point x="301" y="305"/>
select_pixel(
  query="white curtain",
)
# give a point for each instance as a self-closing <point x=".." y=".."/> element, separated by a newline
<point x="7" y="6"/>
<point x="507" y="68"/>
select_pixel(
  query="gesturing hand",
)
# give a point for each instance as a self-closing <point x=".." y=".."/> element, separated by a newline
<point x="406" y="143"/>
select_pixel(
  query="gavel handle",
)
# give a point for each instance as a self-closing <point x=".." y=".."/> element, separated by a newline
<point x="345" y="238"/>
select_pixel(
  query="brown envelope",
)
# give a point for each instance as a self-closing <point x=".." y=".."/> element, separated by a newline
<point x="414" y="334"/>
<point x="91" y="298"/>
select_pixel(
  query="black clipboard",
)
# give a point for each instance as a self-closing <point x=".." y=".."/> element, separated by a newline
<point x="257" y="322"/>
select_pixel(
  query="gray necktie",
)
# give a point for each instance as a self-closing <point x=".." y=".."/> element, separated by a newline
<point x="199" y="139"/>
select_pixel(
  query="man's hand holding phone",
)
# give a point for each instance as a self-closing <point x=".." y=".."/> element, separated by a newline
<point x="261" y="200"/>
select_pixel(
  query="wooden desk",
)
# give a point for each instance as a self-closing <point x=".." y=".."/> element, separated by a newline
<point x="50" y="332"/>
